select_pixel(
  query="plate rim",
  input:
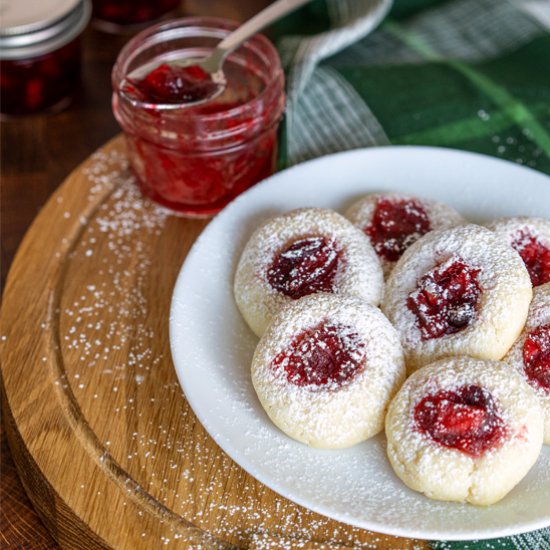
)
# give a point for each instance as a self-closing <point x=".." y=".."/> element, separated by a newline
<point x="240" y="458"/>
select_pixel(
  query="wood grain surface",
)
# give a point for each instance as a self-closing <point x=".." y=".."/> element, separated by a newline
<point x="96" y="420"/>
<point x="107" y="447"/>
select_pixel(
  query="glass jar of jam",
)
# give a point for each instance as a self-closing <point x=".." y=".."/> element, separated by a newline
<point x="40" y="53"/>
<point x="197" y="157"/>
<point x="109" y="15"/>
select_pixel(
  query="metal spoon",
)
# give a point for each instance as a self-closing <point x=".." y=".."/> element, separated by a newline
<point x="213" y="64"/>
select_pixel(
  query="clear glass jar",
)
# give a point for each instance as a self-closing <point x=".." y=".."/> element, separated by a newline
<point x="112" y="13"/>
<point x="195" y="159"/>
<point x="40" y="53"/>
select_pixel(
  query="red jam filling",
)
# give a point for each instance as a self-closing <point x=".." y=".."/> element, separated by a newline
<point x="534" y="254"/>
<point x="326" y="355"/>
<point x="173" y="85"/>
<point x="446" y="299"/>
<point x="536" y="357"/>
<point x="124" y="12"/>
<point x="466" y="419"/>
<point x="39" y="83"/>
<point x="395" y="225"/>
<point x="305" y="267"/>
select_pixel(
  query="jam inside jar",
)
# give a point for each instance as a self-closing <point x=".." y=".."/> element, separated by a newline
<point x="40" y="53"/>
<point x="44" y="82"/>
<point x="197" y="157"/>
<point x="132" y="12"/>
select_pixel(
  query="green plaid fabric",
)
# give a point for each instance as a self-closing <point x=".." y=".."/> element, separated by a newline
<point x="467" y="74"/>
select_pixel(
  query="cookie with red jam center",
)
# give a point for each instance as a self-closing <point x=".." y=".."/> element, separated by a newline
<point x="530" y="237"/>
<point x="465" y="430"/>
<point x="460" y="291"/>
<point x="394" y="221"/>
<point x="465" y="418"/>
<point x="326" y="369"/>
<point x="530" y="355"/>
<point x="300" y="253"/>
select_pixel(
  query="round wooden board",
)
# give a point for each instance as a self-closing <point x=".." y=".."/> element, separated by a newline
<point x="106" y="445"/>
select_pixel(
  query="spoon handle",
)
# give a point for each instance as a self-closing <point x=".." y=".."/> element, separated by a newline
<point x="258" y="22"/>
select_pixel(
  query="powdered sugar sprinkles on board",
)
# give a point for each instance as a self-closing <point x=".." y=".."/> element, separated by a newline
<point x="115" y="354"/>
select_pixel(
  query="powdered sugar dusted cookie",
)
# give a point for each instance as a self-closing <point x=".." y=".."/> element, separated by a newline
<point x="394" y="221"/>
<point x="465" y="430"/>
<point x="530" y="355"/>
<point x="531" y="238"/>
<point x="302" y="252"/>
<point x="326" y="369"/>
<point x="461" y="291"/>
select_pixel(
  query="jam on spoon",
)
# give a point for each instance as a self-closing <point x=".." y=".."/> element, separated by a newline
<point x="172" y="84"/>
<point x="191" y="80"/>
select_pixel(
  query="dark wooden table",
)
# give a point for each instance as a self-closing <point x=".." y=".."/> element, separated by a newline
<point x="37" y="153"/>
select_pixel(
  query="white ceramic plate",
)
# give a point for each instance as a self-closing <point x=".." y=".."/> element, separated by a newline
<point x="212" y="347"/>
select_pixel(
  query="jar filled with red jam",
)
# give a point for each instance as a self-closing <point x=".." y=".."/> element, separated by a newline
<point x="40" y="53"/>
<point x="196" y="157"/>
<point x="111" y="14"/>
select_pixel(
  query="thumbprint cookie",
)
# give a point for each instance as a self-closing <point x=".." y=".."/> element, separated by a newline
<point x="303" y="252"/>
<point x="530" y="355"/>
<point x="530" y="237"/>
<point x="465" y="430"/>
<point x="326" y="369"/>
<point x="459" y="291"/>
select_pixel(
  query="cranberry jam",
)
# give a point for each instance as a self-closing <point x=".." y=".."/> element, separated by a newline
<point x="40" y="53"/>
<point x="446" y="299"/>
<point x="305" y="267"/>
<point x="465" y="419"/>
<point x="326" y="355"/>
<point x="173" y="85"/>
<point x="395" y="225"/>
<point x="535" y="255"/>
<point x="132" y="12"/>
<point x="536" y="357"/>
<point x="196" y="158"/>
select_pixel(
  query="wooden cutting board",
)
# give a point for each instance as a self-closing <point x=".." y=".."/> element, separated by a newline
<point x="107" y="447"/>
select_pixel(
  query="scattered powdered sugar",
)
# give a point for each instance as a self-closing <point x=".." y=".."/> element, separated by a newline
<point x="115" y="349"/>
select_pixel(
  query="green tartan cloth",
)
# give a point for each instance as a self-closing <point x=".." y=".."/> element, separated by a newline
<point x="467" y="74"/>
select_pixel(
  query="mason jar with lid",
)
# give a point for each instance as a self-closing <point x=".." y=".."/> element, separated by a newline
<point x="39" y="53"/>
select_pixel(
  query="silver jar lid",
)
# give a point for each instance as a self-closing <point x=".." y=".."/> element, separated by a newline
<point x="29" y="28"/>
